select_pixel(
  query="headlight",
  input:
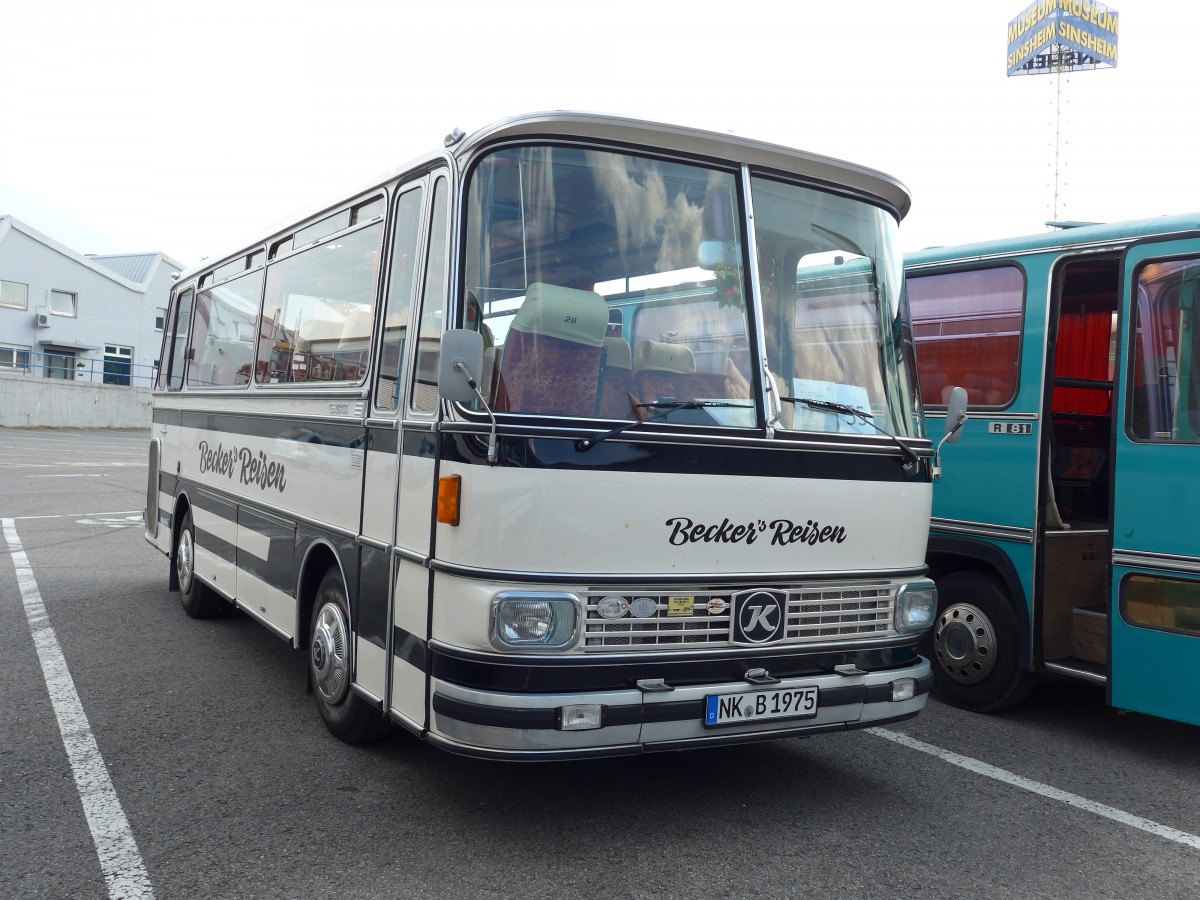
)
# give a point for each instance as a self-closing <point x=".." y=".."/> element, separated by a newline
<point x="916" y="605"/>
<point x="533" y="621"/>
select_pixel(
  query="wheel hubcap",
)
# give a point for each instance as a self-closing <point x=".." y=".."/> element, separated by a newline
<point x="183" y="561"/>
<point x="965" y="643"/>
<point x="329" y="654"/>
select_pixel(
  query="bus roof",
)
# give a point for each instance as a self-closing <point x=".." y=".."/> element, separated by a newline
<point x="716" y="145"/>
<point x="696" y="142"/>
<point x="1110" y="235"/>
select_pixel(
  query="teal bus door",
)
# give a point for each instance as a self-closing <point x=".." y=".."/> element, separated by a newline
<point x="1155" y="612"/>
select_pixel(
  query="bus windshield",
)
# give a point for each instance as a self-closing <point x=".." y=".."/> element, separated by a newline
<point x="836" y="324"/>
<point x="617" y="286"/>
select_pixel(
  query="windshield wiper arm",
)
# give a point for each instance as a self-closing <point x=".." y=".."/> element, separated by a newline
<point x="667" y="407"/>
<point x="910" y="455"/>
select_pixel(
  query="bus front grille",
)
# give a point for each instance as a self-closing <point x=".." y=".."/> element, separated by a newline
<point x="684" y="618"/>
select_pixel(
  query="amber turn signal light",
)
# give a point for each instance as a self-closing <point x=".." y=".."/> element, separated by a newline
<point x="449" y="489"/>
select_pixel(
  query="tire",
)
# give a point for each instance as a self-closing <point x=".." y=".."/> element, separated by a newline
<point x="197" y="600"/>
<point x="348" y="716"/>
<point x="974" y="645"/>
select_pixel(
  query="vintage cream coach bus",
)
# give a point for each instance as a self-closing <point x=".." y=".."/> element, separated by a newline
<point x="582" y="436"/>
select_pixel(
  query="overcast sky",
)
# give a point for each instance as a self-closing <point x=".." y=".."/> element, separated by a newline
<point x="130" y="126"/>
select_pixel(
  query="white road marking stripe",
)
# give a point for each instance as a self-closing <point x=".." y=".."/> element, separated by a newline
<point x="1045" y="790"/>
<point x="120" y="862"/>
<point x="66" y="476"/>
<point x="71" y="465"/>
<point x="119" y="512"/>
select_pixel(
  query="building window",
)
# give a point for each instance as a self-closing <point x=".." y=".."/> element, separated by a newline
<point x="14" y="358"/>
<point x="118" y="364"/>
<point x="59" y="365"/>
<point x="62" y="303"/>
<point x="160" y="318"/>
<point x="14" y="294"/>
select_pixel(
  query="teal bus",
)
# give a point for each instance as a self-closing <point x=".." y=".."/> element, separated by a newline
<point x="1063" y="537"/>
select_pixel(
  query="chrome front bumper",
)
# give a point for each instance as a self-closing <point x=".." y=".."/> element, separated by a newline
<point x="527" y="726"/>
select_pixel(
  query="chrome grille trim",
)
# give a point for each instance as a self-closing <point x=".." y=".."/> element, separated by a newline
<point x="816" y="613"/>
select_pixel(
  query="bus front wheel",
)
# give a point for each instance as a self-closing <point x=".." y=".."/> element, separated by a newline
<point x="197" y="600"/>
<point x="347" y="715"/>
<point x="973" y="645"/>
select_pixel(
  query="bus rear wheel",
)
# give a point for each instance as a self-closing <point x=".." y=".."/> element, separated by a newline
<point x="197" y="600"/>
<point x="973" y="645"/>
<point x="347" y="715"/>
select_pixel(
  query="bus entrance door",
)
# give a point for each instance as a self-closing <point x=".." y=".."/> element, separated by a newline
<point x="1155" y="600"/>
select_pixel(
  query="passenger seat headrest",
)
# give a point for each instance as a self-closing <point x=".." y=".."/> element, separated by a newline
<point x="580" y="317"/>
<point x="660" y="356"/>
<point x="619" y="356"/>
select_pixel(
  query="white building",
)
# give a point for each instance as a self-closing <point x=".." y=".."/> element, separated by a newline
<point x="66" y="315"/>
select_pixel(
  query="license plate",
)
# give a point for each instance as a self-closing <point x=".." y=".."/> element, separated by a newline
<point x="782" y="703"/>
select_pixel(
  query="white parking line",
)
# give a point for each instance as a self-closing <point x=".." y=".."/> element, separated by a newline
<point x="67" y="476"/>
<point x="120" y="861"/>
<point x="119" y="512"/>
<point x="1045" y="790"/>
<point x="89" y="464"/>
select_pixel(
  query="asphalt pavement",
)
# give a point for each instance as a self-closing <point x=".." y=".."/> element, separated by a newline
<point x="145" y="754"/>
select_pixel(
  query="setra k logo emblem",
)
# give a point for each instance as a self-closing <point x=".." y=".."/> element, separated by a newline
<point x="759" y="617"/>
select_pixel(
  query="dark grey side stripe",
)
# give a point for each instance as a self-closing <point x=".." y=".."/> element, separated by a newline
<point x="410" y="648"/>
<point x="247" y="502"/>
<point x="278" y="569"/>
<point x="372" y="596"/>
<point x="220" y="548"/>
<point x="335" y="434"/>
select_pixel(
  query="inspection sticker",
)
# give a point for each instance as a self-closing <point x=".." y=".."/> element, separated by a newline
<point x="681" y="606"/>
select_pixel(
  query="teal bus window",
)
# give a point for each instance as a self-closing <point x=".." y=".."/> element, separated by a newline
<point x="1164" y="603"/>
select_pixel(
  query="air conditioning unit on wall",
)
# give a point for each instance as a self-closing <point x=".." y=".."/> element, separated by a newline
<point x="41" y="320"/>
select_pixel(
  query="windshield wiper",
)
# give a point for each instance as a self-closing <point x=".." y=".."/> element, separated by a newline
<point x="667" y="407"/>
<point x="843" y="409"/>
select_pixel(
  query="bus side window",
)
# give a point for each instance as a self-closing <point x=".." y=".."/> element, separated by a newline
<point x="168" y="344"/>
<point x="424" y="392"/>
<point x="406" y="243"/>
<point x="967" y="328"/>
<point x="173" y="366"/>
<point x="308" y="330"/>
<point x="222" y="338"/>
<point x="1165" y="388"/>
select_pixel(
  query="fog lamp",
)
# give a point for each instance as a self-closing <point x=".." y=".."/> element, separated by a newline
<point x="533" y="621"/>
<point x="916" y="605"/>
<point x="904" y="689"/>
<point x="580" y="718"/>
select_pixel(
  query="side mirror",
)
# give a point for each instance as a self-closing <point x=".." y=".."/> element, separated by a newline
<point x="956" y="415"/>
<point x="460" y="365"/>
